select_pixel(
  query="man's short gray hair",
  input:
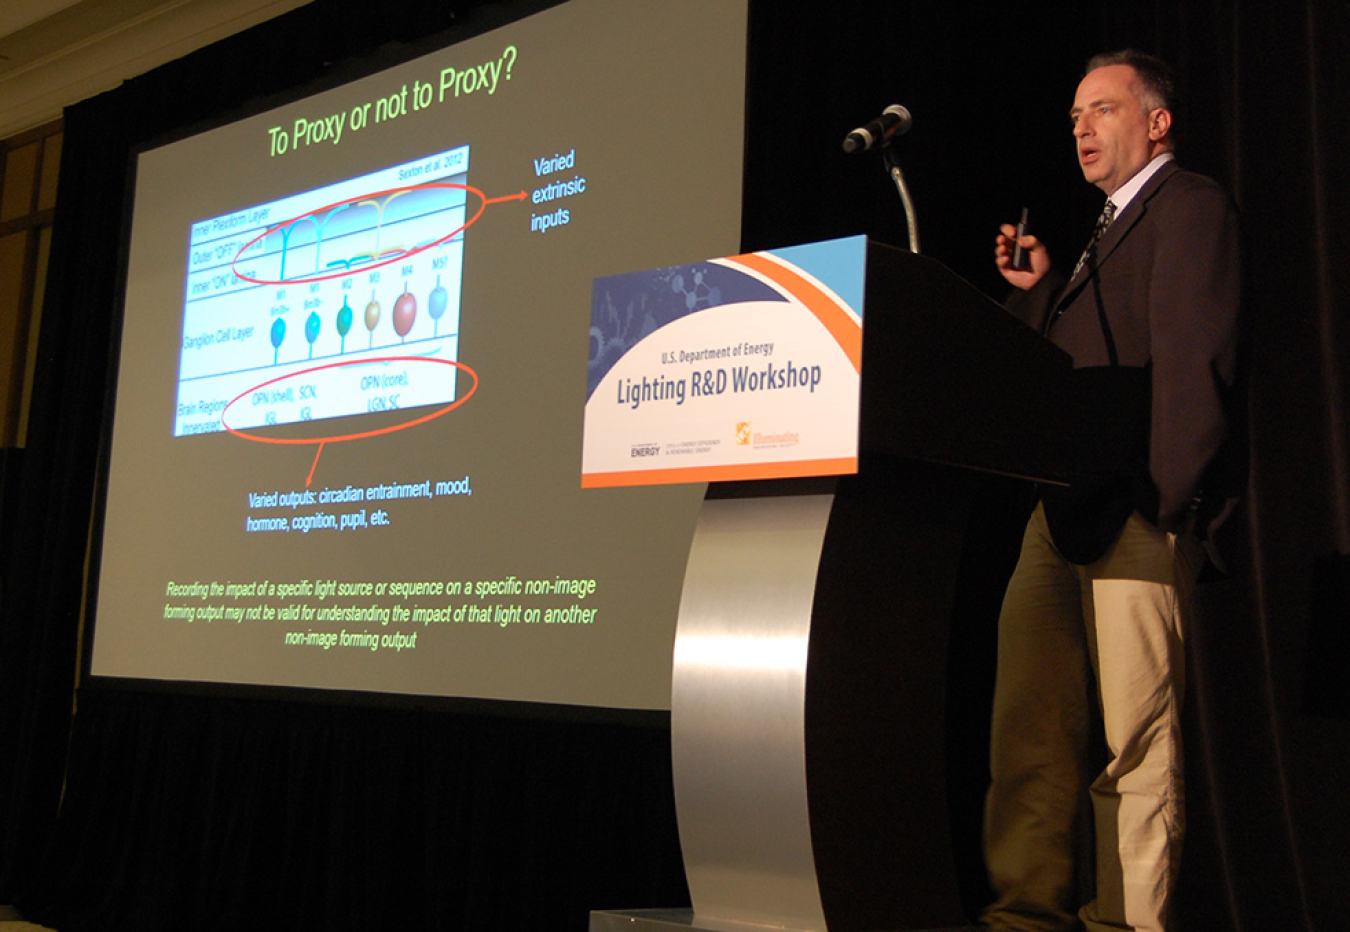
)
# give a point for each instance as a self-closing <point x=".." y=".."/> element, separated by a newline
<point x="1157" y="90"/>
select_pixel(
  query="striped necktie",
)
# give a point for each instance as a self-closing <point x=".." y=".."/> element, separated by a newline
<point x="1103" y="221"/>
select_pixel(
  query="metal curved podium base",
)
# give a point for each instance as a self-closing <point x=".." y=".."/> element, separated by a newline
<point x="808" y="708"/>
<point x="738" y="701"/>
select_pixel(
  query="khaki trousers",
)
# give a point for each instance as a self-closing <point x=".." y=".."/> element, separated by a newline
<point x="1114" y="627"/>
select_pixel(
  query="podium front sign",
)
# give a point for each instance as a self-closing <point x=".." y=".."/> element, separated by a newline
<point x="744" y="367"/>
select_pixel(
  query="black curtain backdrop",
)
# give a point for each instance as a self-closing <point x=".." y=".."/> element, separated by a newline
<point x="171" y="811"/>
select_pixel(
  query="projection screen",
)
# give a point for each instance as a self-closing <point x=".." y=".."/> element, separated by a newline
<point x="345" y="453"/>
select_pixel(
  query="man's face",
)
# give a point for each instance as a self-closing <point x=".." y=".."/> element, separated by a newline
<point x="1116" y="136"/>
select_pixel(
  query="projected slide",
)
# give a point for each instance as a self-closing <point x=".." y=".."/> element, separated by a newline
<point x="346" y="448"/>
<point x="270" y="294"/>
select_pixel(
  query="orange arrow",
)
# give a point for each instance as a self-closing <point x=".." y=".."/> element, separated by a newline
<point x="317" y="454"/>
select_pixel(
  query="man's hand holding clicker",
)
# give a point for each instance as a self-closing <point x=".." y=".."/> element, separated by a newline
<point x="1037" y="255"/>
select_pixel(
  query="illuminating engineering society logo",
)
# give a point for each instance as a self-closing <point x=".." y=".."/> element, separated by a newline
<point x="782" y="438"/>
<point x="746" y="436"/>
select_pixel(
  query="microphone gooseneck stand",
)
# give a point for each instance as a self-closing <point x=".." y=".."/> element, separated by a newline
<point x="892" y="162"/>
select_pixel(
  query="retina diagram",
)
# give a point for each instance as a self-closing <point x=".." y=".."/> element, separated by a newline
<point x="339" y="301"/>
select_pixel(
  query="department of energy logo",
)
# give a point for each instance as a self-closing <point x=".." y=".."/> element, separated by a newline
<point x="742" y="433"/>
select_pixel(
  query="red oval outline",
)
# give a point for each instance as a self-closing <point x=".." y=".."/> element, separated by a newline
<point x="359" y="436"/>
<point x="482" y="206"/>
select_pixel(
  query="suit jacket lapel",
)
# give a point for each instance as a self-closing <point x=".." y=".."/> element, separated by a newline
<point x="1115" y="234"/>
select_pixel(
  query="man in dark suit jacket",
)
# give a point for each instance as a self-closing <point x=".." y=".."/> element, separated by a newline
<point x="1098" y="606"/>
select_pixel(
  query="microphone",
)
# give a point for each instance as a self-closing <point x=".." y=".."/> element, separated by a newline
<point x="894" y="121"/>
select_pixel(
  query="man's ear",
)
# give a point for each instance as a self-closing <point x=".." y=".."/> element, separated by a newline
<point x="1159" y="124"/>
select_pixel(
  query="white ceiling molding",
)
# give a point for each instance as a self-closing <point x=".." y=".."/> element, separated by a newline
<point x="74" y="50"/>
